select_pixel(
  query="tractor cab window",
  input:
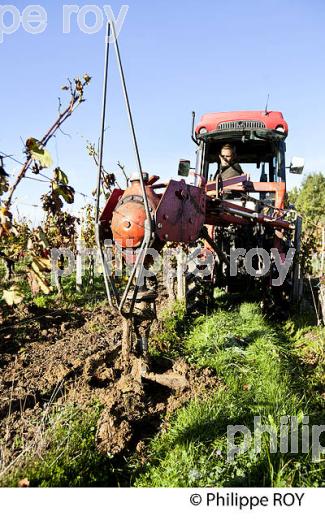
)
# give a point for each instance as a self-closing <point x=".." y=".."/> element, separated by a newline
<point x="262" y="160"/>
<point x="256" y="172"/>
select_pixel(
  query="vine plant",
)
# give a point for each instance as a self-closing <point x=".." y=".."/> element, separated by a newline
<point x="17" y="239"/>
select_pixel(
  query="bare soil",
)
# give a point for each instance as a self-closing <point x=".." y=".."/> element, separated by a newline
<point x="76" y="358"/>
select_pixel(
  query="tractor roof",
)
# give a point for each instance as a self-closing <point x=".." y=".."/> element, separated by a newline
<point x="228" y="123"/>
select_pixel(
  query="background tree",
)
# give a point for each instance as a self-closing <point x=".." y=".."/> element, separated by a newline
<point x="309" y="201"/>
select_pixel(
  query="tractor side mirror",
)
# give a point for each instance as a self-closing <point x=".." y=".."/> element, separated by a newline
<point x="184" y="168"/>
<point x="297" y="165"/>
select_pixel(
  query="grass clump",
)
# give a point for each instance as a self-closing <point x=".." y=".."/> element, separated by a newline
<point x="167" y="339"/>
<point x="256" y="362"/>
<point x="64" y="454"/>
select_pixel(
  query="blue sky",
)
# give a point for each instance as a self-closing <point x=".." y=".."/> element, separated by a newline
<point x="178" y="57"/>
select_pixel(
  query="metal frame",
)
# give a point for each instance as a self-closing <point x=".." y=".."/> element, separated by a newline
<point x="149" y="224"/>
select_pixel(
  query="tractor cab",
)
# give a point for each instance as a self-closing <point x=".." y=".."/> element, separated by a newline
<point x="258" y="139"/>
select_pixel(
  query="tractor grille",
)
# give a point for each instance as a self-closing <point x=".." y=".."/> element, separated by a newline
<point x="241" y="125"/>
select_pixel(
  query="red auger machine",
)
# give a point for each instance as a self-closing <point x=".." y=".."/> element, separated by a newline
<point x="240" y="221"/>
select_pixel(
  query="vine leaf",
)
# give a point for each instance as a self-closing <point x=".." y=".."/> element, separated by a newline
<point x="60" y="176"/>
<point x="67" y="192"/>
<point x="3" y="172"/>
<point x="38" y="283"/>
<point x="4" y="185"/>
<point x="38" y="153"/>
<point x="5" y="221"/>
<point x="41" y="264"/>
<point x="38" y="275"/>
<point x="13" y="296"/>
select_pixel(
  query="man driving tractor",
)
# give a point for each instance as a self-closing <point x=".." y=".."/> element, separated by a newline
<point x="228" y="167"/>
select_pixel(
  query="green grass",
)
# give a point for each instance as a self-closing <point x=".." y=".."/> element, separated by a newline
<point x="263" y="374"/>
<point x="65" y="454"/>
<point x="173" y="323"/>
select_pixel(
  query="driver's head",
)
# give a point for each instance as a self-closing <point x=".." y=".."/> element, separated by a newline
<point x="227" y="154"/>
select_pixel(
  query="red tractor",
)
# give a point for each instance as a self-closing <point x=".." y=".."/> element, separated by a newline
<point x="239" y="214"/>
<point x="238" y="228"/>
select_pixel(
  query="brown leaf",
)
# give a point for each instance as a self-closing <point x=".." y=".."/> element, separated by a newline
<point x="23" y="483"/>
<point x="247" y="387"/>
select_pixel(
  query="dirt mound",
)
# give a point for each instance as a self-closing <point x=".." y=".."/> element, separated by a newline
<point x="137" y="407"/>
